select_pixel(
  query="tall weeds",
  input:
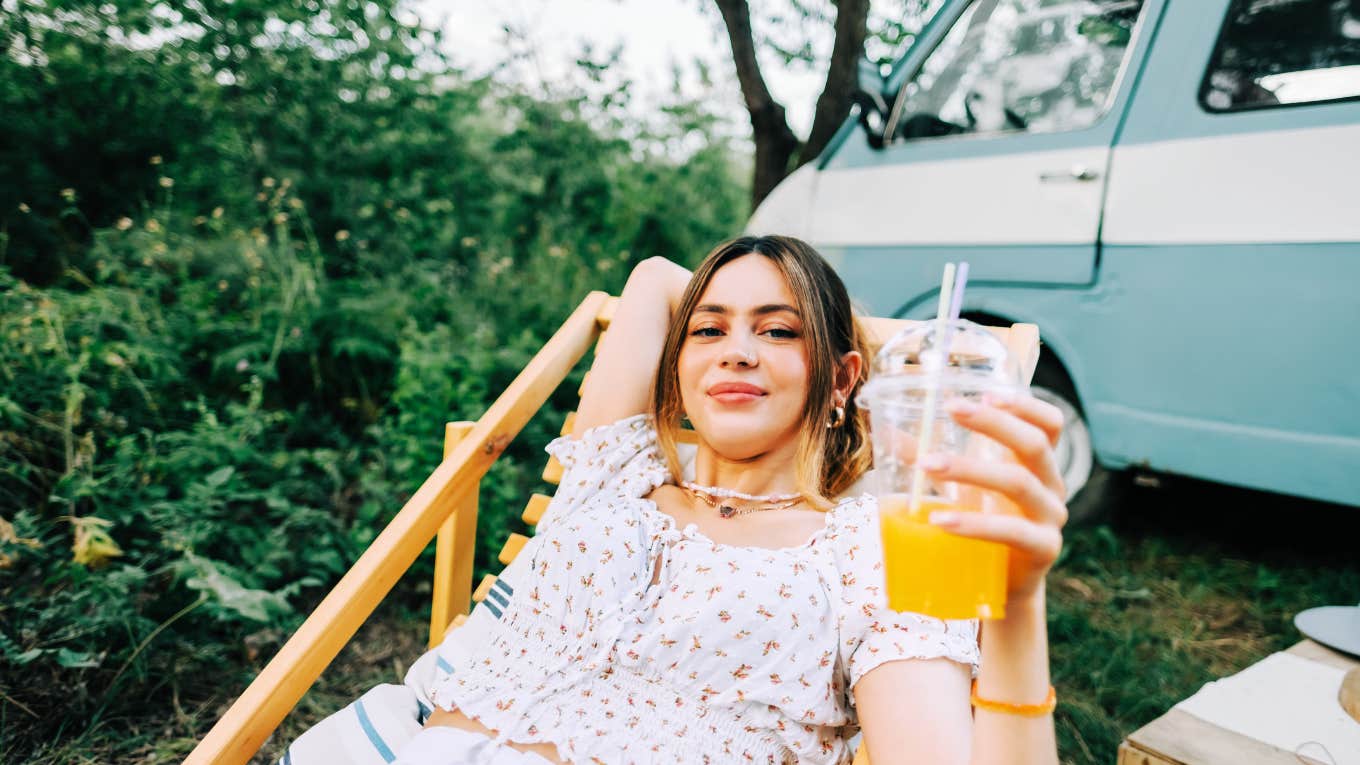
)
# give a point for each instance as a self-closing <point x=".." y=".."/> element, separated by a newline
<point x="203" y="424"/>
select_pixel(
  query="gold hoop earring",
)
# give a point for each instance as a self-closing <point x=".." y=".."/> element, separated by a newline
<point x="837" y="418"/>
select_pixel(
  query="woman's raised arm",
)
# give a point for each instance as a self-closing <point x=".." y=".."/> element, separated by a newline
<point x="621" y="378"/>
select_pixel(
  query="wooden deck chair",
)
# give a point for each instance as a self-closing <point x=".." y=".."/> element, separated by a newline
<point x="445" y="509"/>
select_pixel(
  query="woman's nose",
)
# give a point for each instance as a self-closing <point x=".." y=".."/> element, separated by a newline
<point x="737" y="355"/>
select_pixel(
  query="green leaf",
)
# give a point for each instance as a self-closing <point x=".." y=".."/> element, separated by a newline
<point x="77" y="659"/>
<point x="219" y="476"/>
<point x="27" y="656"/>
<point x="232" y="596"/>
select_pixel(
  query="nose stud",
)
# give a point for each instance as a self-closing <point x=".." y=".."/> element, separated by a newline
<point x="745" y="357"/>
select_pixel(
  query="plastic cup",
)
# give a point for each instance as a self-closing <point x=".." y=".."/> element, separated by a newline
<point x="928" y="570"/>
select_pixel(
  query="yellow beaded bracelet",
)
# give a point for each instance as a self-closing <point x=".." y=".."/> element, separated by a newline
<point x="1024" y="710"/>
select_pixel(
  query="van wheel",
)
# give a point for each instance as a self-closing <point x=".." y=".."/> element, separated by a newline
<point x="1091" y="488"/>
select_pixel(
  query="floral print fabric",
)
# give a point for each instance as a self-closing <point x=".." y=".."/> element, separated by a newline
<point x="618" y="637"/>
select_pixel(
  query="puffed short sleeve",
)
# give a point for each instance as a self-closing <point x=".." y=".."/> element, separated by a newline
<point x="872" y="634"/>
<point x="610" y="462"/>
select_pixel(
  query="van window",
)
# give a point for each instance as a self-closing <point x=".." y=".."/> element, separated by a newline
<point x="1284" y="52"/>
<point x="1018" y="65"/>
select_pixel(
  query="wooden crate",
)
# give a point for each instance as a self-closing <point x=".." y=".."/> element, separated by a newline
<point x="1181" y="738"/>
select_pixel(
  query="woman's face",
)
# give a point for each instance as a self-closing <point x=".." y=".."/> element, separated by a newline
<point x="743" y="367"/>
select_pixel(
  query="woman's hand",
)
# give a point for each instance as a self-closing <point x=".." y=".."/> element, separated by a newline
<point x="1029" y="428"/>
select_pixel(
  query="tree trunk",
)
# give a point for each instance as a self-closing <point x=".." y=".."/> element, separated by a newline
<point x="775" y="141"/>
<point x="778" y="150"/>
<point x="852" y="27"/>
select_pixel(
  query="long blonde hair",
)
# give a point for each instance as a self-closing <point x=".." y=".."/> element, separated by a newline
<point x="829" y="459"/>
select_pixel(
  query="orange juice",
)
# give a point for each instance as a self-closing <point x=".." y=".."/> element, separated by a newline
<point x="930" y="571"/>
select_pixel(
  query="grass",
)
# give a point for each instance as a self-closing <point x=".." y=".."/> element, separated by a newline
<point x="1185" y="585"/>
<point x="169" y="724"/>
<point x="381" y="653"/>
<point x="1189" y="584"/>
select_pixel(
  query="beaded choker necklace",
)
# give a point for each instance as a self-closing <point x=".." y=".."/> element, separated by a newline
<point x="714" y="497"/>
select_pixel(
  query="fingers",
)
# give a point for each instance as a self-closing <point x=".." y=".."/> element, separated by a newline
<point x="1040" y="414"/>
<point x="1025" y="425"/>
<point x="1017" y="483"/>
<point x="1040" y="541"/>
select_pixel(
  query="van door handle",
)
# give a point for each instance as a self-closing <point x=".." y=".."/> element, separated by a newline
<point x="1074" y="173"/>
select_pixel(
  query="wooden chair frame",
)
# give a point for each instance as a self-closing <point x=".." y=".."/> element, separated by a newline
<point x="445" y="508"/>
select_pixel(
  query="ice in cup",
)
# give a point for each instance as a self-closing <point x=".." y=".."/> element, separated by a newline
<point x="928" y="570"/>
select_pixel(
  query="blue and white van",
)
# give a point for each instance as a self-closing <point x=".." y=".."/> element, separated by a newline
<point x="1170" y="189"/>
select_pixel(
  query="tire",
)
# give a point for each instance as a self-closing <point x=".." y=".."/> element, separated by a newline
<point x="1092" y="490"/>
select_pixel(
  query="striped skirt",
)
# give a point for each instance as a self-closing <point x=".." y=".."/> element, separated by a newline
<point x="385" y="727"/>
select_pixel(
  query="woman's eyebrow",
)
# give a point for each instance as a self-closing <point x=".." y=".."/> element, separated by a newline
<point x="760" y="310"/>
<point x="776" y="308"/>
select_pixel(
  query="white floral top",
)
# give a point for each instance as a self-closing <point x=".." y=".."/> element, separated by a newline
<point x="619" y="638"/>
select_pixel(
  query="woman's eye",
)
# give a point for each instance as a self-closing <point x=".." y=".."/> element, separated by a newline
<point x="707" y="332"/>
<point x="779" y="333"/>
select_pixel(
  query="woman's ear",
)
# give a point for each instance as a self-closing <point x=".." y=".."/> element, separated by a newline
<point x="848" y="372"/>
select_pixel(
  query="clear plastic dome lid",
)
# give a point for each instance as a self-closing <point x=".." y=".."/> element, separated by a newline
<point x="977" y="361"/>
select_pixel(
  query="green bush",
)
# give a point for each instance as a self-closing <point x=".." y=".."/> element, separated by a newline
<point x="228" y="360"/>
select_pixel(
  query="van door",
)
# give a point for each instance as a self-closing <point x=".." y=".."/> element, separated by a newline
<point x="998" y="153"/>
<point x="1231" y="252"/>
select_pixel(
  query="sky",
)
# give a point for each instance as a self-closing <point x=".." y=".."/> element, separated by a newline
<point x="655" y="35"/>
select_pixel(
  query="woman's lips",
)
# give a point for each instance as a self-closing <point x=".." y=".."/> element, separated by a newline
<point x="735" y="393"/>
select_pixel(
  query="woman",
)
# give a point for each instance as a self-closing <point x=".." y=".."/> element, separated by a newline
<point x="739" y="616"/>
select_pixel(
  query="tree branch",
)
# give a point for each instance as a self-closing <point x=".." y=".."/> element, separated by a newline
<point x="736" y="15"/>
<point x="852" y="27"/>
<point x="775" y="142"/>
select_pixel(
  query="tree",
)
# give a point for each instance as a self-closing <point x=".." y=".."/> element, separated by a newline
<point x="110" y="105"/>
<point x="778" y="151"/>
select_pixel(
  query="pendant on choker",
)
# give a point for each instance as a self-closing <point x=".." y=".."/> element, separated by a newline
<point x="727" y="511"/>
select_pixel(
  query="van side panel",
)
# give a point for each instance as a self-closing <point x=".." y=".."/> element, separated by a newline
<point x="1228" y="364"/>
<point x="987" y="200"/>
<point x="1231" y="260"/>
<point x="900" y="281"/>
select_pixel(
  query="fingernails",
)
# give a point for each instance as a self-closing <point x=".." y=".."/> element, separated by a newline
<point x="998" y="399"/>
<point x="962" y="406"/>
<point x="944" y="519"/>
<point x="934" y="462"/>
